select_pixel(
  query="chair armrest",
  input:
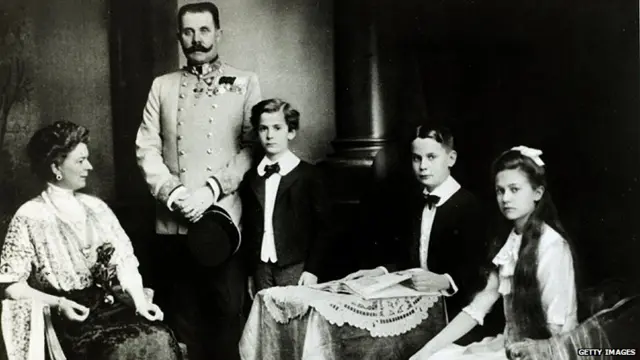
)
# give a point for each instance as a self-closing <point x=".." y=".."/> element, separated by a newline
<point x="602" y="296"/>
<point x="614" y="327"/>
<point x="23" y="329"/>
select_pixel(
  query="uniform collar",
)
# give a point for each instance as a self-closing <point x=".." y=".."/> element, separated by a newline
<point x="203" y="70"/>
<point x="288" y="161"/>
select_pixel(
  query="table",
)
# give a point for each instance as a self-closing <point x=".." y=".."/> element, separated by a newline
<point x="297" y="322"/>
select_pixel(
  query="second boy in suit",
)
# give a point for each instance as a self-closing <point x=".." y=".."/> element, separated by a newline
<point x="434" y="224"/>
<point x="286" y="208"/>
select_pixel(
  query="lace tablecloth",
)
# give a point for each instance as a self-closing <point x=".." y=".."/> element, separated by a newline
<point x="302" y="323"/>
<point x="381" y="317"/>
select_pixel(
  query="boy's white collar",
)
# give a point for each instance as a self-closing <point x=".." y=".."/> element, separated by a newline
<point x="288" y="161"/>
<point x="445" y="190"/>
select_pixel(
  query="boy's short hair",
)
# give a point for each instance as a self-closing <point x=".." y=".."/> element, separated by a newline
<point x="291" y="115"/>
<point x="440" y="134"/>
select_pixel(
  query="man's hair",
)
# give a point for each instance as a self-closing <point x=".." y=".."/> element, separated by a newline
<point x="440" y="134"/>
<point x="291" y="115"/>
<point x="201" y="7"/>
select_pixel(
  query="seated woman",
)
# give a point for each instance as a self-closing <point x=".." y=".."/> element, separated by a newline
<point x="67" y="250"/>
<point x="533" y="269"/>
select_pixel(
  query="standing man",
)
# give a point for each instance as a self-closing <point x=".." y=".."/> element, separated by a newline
<point x="191" y="148"/>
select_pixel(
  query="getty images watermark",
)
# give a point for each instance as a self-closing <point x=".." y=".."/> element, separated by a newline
<point x="607" y="352"/>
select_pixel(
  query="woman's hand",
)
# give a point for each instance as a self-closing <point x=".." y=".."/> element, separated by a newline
<point x="522" y="350"/>
<point x="365" y="273"/>
<point x="150" y="311"/>
<point x="72" y="310"/>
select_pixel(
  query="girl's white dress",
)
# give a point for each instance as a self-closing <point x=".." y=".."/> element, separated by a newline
<point x="556" y="278"/>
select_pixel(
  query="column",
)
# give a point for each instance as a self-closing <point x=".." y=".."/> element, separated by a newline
<point x="360" y="119"/>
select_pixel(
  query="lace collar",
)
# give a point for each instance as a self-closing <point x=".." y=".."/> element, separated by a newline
<point x="65" y="204"/>
<point x="506" y="260"/>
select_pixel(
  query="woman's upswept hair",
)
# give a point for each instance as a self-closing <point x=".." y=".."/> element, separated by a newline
<point x="52" y="144"/>
<point x="528" y="313"/>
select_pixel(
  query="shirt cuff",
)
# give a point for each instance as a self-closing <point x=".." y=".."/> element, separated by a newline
<point x="174" y="195"/>
<point x="384" y="269"/>
<point x="215" y="187"/>
<point x="129" y="277"/>
<point x="453" y="289"/>
<point x="475" y="314"/>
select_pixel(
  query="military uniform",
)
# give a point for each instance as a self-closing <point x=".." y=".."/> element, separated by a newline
<point x="192" y="133"/>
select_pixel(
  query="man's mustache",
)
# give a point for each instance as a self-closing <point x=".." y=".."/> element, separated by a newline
<point x="197" y="47"/>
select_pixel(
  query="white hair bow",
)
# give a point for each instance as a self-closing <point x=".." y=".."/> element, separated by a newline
<point x="531" y="153"/>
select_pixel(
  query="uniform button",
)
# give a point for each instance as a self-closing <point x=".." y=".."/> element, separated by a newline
<point x="180" y="109"/>
<point x="209" y="168"/>
<point x="209" y="135"/>
<point x="180" y="122"/>
<point x="183" y="170"/>
<point x="182" y="152"/>
<point x="209" y="151"/>
<point x="181" y="96"/>
<point x="184" y="83"/>
<point x="180" y="137"/>
<point x="215" y="106"/>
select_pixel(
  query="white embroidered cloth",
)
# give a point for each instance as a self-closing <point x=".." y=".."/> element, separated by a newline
<point x="506" y="259"/>
<point x="381" y="317"/>
<point x="23" y="329"/>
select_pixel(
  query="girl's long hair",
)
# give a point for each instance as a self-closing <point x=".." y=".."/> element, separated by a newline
<point x="526" y="301"/>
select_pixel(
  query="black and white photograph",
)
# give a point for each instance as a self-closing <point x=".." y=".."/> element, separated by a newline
<point x="319" y="179"/>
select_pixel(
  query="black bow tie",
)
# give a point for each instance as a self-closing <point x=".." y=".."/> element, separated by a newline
<point x="271" y="169"/>
<point x="431" y="200"/>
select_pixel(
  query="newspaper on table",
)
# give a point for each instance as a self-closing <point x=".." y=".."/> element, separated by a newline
<point x="395" y="284"/>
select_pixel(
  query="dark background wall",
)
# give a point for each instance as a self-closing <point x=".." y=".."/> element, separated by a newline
<point x="54" y="65"/>
<point x="561" y="76"/>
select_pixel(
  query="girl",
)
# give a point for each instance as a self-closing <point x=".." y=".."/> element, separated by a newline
<point x="533" y="268"/>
